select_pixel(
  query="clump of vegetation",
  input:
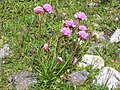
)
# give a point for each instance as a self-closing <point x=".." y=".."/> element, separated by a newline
<point x="51" y="38"/>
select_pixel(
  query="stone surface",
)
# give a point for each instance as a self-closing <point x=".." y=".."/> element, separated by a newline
<point x="94" y="60"/>
<point x="108" y="76"/>
<point x="97" y="17"/>
<point x="78" y="78"/>
<point x="91" y="50"/>
<point x="22" y="80"/>
<point x="92" y="4"/>
<point x="4" y="51"/>
<point x="117" y="18"/>
<point x="95" y="24"/>
<point x="99" y="35"/>
<point x="115" y="37"/>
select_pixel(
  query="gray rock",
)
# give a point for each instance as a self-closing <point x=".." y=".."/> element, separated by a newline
<point x="92" y="4"/>
<point x="4" y="51"/>
<point x="115" y="37"/>
<point x="97" y="17"/>
<point x="94" y="60"/>
<point x="22" y="80"/>
<point x="95" y="24"/>
<point x="91" y="50"/>
<point x="108" y="76"/>
<point x="99" y="35"/>
<point x="117" y="18"/>
<point x="78" y="78"/>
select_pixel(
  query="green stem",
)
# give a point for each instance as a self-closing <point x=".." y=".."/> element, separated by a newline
<point x="73" y="51"/>
<point x="54" y="69"/>
<point x="40" y="23"/>
<point x="54" y="55"/>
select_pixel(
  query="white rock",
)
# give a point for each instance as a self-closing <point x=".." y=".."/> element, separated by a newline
<point x="91" y="50"/>
<point x="97" y="17"/>
<point x="108" y="76"/>
<point x="117" y="18"/>
<point x="4" y="51"/>
<point x="95" y="61"/>
<point x="99" y="35"/>
<point x="115" y="37"/>
<point x="95" y="24"/>
<point x="92" y="4"/>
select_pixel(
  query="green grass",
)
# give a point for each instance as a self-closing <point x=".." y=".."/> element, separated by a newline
<point x="18" y="15"/>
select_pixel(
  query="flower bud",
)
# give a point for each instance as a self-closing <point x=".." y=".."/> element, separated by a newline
<point x="75" y="61"/>
<point x="46" y="47"/>
<point x="59" y="59"/>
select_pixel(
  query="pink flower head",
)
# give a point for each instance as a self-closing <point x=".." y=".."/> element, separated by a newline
<point x="66" y="31"/>
<point x="59" y="59"/>
<point x="65" y="23"/>
<point x="47" y="8"/>
<point x="83" y="34"/>
<point x="38" y="10"/>
<point x="82" y="28"/>
<point x="80" y="16"/>
<point x="46" y="47"/>
<point x="71" y="23"/>
<point x="75" y="60"/>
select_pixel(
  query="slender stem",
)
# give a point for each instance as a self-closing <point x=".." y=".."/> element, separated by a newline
<point x="40" y="23"/>
<point x="54" y="69"/>
<point x="54" y="55"/>
<point x="60" y="39"/>
<point x="73" y="51"/>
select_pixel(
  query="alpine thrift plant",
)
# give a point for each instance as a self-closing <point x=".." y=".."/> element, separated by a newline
<point x="81" y="33"/>
<point x="69" y="27"/>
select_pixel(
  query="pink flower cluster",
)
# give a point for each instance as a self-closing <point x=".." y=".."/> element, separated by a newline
<point x="72" y="24"/>
<point x="47" y="8"/>
<point x="80" y="16"/>
<point x="66" y="31"/>
<point x="83" y="34"/>
<point x="82" y="28"/>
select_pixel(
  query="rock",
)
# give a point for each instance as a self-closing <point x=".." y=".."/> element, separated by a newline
<point x="94" y="60"/>
<point x="95" y="24"/>
<point x="22" y="80"/>
<point x="91" y="50"/>
<point x="78" y="78"/>
<point x="117" y="18"/>
<point x="97" y="17"/>
<point x="115" y="37"/>
<point x="108" y="76"/>
<point x="92" y="4"/>
<point x="99" y="35"/>
<point x="4" y="51"/>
